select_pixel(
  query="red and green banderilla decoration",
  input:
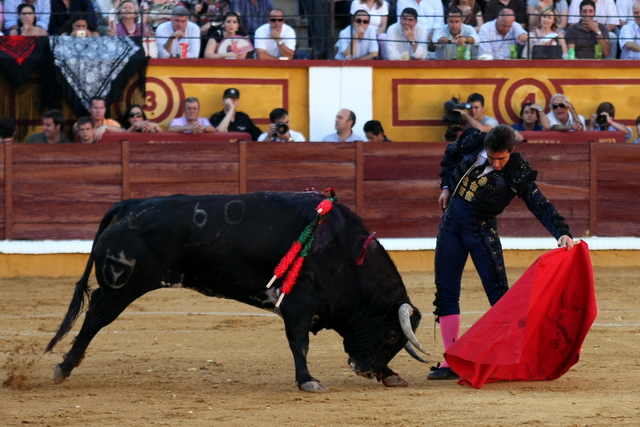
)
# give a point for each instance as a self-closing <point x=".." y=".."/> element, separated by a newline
<point x="299" y="250"/>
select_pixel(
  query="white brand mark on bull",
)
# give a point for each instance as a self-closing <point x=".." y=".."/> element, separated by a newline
<point x="199" y="212"/>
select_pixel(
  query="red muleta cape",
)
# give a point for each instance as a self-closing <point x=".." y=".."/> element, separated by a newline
<point x="536" y="330"/>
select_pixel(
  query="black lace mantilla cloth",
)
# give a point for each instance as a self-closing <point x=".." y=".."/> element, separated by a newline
<point x="96" y="66"/>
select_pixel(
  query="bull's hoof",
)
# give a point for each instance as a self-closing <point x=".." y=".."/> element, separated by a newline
<point x="58" y="375"/>
<point x="394" y="381"/>
<point x="314" y="386"/>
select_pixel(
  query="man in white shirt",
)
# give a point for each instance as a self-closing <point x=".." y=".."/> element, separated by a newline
<point x="279" y="133"/>
<point x="43" y="12"/>
<point x="358" y="40"/>
<point x="345" y="119"/>
<point x="173" y="34"/>
<point x="630" y="36"/>
<point x="406" y="39"/>
<point x="625" y="11"/>
<point x="497" y="36"/>
<point x="275" y="39"/>
<point x="563" y="117"/>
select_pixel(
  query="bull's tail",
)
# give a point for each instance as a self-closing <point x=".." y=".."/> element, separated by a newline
<point x="82" y="287"/>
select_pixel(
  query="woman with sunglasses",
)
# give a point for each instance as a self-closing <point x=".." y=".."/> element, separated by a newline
<point x="378" y="11"/>
<point x="358" y="40"/>
<point x="27" y="22"/>
<point x="230" y="28"/>
<point x="136" y="121"/>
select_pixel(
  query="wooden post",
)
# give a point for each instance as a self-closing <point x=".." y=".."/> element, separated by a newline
<point x="360" y="178"/>
<point x="593" y="188"/>
<point x="8" y="193"/>
<point x="124" y="169"/>
<point x="242" y="167"/>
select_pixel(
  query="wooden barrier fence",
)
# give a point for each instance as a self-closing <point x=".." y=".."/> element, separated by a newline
<point x="62" y="191"/>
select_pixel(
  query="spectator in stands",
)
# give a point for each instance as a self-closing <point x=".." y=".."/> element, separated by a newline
<point x="52" y="125"/>
<point x="546" y="34"/>
<point x="493" y="7"/>
<point x="532" y="118"/>
<point x="586" y="34"/>
<point x="275" y="39"/>
<point x="79" y="26"/>
<point x="563" y="117"/>
<point x="625" y="11"/>
<point x="230" y="28"/>
<point x="136" y="121"/>
<point x="128" y="25"/>
<point x="60" y="12"/>
<point x="430" y="16"/>
<point x="253" y="13"/>
<point x="471" y="12"/>
<point x="377" y="11"/>
<point x="630" y="36"/>
<point x="405" y="39"/>
<point x="191" y="122"/>
<point x="7" y="129"/>
<point x="637" y="140"/>
<point x="279" y="133"/>
<point x="210" y="13"/>
<point x="85" y="130"/>
<point x="158" y="12"/>
<point x="26" y="22"/>
<point x="605" y="13"/>
<point x="345" y="119"/>
<point x="42" y="11"/>
<point x="454" y="34"/>
<point x="497" y="36"/>
<point x="374" y="132"/>
<point x="232" y="120"/>
<point x="97" y="110"/>
<point x="358" y="40"/>
<point x="172" y="36"/>
<point x="535" y="8"/>
<point x="603" y="120"/>
<point x="475" y="117"/>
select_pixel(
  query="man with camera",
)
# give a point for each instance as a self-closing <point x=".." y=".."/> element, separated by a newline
<point x="603" y="120"/>
<point x="475" y="116"/>
<point x="232" y="120"/>
<point x="279" y="130"/>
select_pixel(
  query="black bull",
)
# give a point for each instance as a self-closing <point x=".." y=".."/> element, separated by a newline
<point x="228" y="246"/>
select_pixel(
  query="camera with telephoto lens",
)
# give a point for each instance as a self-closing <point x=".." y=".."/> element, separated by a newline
<point x="603" y="121"/>
<point x="282" y="128"/>
<point x="453" y="118"/>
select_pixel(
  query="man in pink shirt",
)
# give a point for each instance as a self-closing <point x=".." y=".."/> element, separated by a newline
<point x="190" y="122"/>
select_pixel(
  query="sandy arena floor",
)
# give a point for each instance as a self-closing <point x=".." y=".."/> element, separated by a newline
<point x="178" y="358"/>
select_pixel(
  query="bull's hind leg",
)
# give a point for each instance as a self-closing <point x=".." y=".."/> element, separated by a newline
<point x="104" y="307"/>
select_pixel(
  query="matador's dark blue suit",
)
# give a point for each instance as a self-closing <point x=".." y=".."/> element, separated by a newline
<point x="469" y="225"/>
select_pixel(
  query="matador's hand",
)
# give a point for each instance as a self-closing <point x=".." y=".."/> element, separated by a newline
<point x="565" y="241"/>
<point x="443" y="200"/>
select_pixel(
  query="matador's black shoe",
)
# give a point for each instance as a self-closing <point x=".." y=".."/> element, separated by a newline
<point x="442" y="374"/>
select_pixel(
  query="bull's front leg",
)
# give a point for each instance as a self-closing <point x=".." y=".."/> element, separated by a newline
<point x="297" y="331"/>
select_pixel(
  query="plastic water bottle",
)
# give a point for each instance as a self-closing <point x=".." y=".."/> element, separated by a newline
<point x="467" y="52"/>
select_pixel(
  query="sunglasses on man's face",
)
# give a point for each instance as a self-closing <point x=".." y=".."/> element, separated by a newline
<point x="362" y="21"/>
<point x="276" y="19"/>
<point x="556" y="106"/>
<point x="135" y="114"/>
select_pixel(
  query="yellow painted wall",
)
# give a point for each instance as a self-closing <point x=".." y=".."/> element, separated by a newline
<point x="420" y="93"/>
<point x="261" y="90"/>
<point x="72" y="265"/>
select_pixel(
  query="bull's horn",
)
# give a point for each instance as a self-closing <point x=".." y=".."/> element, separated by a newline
<point x="409" y="348"/>
<point x="404" y="313"/>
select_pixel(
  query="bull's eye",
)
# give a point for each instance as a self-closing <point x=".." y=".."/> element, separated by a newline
<point x="393" y="337"/>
